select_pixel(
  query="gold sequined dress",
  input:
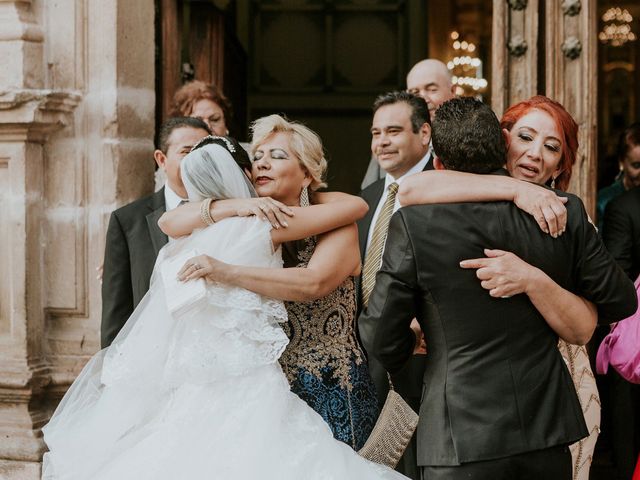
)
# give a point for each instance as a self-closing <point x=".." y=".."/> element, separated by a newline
<point x="323" y="362"/>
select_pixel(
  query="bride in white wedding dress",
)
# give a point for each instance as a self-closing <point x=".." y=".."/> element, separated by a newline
<point x="191" y="388"/>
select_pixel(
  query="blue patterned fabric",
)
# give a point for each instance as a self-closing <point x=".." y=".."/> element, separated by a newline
<point x="324" y="363"/>
<point x="351" y="414"/>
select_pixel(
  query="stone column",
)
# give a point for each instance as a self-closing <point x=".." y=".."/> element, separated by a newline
<point x="77" y="117"/>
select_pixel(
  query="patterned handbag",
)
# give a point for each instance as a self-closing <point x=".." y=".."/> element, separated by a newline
<point x="392" y="432"/>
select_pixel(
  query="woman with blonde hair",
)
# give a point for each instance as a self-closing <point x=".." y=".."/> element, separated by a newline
<point x="191" y="387"/>
<point x="324" y="362"/>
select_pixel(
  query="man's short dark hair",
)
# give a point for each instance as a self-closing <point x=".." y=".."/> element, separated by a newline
<point x="467" y="136"/>
<point x="167" y="128"/>
<point x="419" y="107"/>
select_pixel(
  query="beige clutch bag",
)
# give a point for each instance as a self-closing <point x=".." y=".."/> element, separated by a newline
<point x="391" y="433"/>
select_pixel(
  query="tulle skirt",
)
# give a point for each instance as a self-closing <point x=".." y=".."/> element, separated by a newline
<point x="197" y="392"/>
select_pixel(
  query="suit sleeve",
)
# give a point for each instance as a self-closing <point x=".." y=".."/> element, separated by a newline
<point x="600" y="279"/>
<point x="616" y="233"/>
<point x="384" y="324"/>
<point x="117" y="291"/>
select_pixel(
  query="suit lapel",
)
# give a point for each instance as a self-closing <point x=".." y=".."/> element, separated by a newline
<point x="158" y="238"/>
<point x="371" y="195"/>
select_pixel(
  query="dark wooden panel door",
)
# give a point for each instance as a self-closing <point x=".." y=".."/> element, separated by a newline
<point x="197" y="41"/>
<point x="324" y="62"/>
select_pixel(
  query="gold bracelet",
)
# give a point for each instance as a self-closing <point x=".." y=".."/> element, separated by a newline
<point x="205" y="213"/>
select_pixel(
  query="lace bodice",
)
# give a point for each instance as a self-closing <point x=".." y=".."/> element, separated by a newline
<point x="228" y="331"/>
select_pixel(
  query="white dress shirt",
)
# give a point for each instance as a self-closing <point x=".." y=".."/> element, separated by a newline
<point x="171" y="198"/>
<point x="417" y="168"/>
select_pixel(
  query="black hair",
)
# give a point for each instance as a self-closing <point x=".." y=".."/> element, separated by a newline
<point x="467" y="136"/>
<point x="419" y="107"/>
<point x="167" y="128"/>
<point x="629" y="139"/>
<point x="231" y="145"/>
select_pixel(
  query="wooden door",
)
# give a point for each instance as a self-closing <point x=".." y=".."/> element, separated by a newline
<point x="324" y="62"/>
<point x="197" y="41"/>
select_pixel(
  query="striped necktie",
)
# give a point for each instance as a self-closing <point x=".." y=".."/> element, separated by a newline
<point x="373" y="257"/>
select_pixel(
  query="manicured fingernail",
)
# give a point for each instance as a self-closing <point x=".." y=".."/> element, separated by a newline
<point x="285" y="224"/>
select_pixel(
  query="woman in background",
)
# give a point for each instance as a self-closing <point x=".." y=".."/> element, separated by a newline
<point x="628" y="155"/>
<point x="206" y="102"/>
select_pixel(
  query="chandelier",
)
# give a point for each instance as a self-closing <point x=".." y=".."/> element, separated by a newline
<point x="617" y="27"/>
<point x="466" y="67"/>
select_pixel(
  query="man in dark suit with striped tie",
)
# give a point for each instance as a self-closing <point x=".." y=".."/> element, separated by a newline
<point x="133" y="236"/>
<point x="400" y="136"/>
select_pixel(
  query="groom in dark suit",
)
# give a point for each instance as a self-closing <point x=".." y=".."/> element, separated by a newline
<point x="497" y="400"/>
<point x="400" y="138"/>
<point x="133" y="237"/>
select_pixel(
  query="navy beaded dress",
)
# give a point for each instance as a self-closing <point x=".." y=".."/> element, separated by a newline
<point x="323" y="362"/>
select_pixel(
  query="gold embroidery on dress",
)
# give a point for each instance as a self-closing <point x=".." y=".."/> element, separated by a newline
<point x="321" y="332"/>
<point x="577" y="360"/>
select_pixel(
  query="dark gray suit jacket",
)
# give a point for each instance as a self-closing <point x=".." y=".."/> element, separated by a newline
<point x="495" y="384"/>
<point x="133" y="242"/>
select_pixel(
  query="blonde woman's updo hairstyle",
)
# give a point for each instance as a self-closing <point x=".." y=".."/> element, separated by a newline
<point x="304" y="143"/>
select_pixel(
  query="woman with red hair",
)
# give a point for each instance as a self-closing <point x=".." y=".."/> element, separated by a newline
<point x="542" y="142"/>
<point x="204" y="101"/>
<point x="567" y="130"/>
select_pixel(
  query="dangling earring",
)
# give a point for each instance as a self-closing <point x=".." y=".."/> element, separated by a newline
<point x="304" y="197"/>
<point x="553" y="182"/>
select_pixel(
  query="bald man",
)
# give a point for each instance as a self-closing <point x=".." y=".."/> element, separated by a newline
<point x="431" y="80"/>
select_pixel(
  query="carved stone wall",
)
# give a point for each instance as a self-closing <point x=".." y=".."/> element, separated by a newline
<point x="77" y="112"/>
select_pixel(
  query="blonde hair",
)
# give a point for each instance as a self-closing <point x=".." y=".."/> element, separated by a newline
<point x="304" y="143"/>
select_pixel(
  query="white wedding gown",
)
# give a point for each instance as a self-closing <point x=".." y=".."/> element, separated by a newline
<point x="197" y="394"/>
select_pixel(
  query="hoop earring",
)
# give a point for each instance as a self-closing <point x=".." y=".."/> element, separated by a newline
<point x="304" y="197"/>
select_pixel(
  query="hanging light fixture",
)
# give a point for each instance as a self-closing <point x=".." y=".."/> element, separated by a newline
<point x="466" y="67"/>
<point x="617" y="27"/>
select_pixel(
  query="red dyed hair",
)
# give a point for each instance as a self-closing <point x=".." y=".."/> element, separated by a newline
<point x="565" y="123"/>
<point x="190" y="93"/>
